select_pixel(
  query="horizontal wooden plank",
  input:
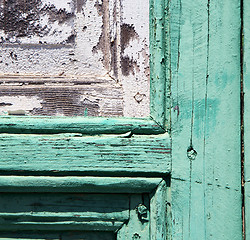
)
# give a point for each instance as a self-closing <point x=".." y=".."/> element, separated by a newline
<point x="84" y="125"/>
<point x="64" y="226"/>
<point x="95" y="155"/>
<point x="36" y="95"/>
<point x="62" y="235"/>
<point x="77" y="184"/>
<point x="70" y="210"/>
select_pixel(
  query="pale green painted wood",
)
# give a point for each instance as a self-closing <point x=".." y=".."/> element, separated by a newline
<point x="61" y="211"/>
<point x="247" y="209"/>
<point x="158" y="213"/>
<point x="159" y="62"/>
<point x="205" y="67"/>
<point x="93" y="155"/>
<point x="246" y="82"/>
<point x="87" y="125"/>
<point x="78" y="184"/>
<point x="246" y="86"/>
<point x="135" y="228"/>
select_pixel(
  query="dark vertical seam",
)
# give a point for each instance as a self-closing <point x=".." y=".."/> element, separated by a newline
<point x="242" y="115"/>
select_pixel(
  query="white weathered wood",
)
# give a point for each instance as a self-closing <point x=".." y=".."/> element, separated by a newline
<point x="107" y="41"/>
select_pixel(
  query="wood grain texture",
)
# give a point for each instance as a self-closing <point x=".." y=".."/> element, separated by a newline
<point x="58" y="154"/>
<point x="206" y="170"/>
<point x="82" y="125"/>
<point x="50" y="95"/>
<point x="246" y="88"/>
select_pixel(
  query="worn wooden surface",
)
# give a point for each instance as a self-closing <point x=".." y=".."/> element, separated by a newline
<point x="63" y="211"/>
<point x="160" y="62"/>
<point x="70" y="154"/>
<point x="78" y="184"/>
<point x="246" y="112"/>
<point x="136" y="227"/>
<point x="206" y="170"/>
<point x="82" y="125"/>
<point x="158" y="216"/>
<point x="66" y="208"/>
<point x="75" y="57"/>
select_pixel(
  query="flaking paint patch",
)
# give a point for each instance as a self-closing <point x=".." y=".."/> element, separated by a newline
<point x="36" y="22"/>
<point x="104" y="39"/>
<point x="17" y="103"/>
<point x="135" y="57"/>
<point x="128" y="33"/>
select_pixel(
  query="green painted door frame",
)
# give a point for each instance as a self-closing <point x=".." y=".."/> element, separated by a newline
<point x="186" y="157"/>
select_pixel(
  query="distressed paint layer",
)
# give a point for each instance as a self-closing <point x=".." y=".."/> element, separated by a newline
<point x="95" y="155"/>
<point x="77" y="39"/>
<point x="60" y="96"/>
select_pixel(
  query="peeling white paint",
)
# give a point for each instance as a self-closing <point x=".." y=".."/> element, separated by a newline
<point x="18" y="103"/>
<point x="60" y="4"/>
<point x="138" y="49"/>
<point x="88" y="54"/>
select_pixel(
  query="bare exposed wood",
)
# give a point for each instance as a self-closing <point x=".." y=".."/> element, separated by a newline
<point x="60" y="96"/>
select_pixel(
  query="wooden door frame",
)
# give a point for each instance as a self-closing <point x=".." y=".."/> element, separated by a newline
<point x="195" y="78"/>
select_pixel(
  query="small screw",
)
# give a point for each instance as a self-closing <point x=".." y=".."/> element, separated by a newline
<point x="136" y="236"/>
<point x="142" y="212"/>
<point x="191" y="153"/>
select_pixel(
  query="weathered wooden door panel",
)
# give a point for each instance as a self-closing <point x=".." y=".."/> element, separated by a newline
<point x="74" y="57"/>
<point x="67" y="211"/>
<point x="52" y="209"/>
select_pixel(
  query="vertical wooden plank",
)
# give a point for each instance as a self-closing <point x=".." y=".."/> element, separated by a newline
<point x="206" y="170"/>
<point x="158" y="208"/>
<point x="158" y="60"/>
<point x="246" y="87"/>
<point x="136" y="227"/>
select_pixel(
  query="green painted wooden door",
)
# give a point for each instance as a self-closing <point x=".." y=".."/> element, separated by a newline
<point x="173" y="175"/>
